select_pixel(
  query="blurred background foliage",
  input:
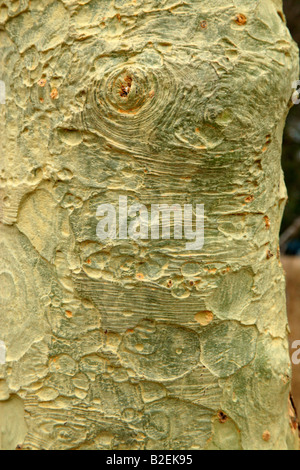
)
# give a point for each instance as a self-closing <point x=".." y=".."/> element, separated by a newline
<point x="291" y="144"/>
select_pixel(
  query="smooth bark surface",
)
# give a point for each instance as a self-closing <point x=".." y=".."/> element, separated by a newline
<point x="143" y="345"/>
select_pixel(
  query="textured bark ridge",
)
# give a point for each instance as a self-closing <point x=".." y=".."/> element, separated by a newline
<point x="143" y="345"/>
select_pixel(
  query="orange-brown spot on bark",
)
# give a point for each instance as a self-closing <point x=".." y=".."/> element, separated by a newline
<point x="211" y="271"/>
<point x="69" y="314"/>
<point x="140" y="276"/>
<point x="125" y="87"/>
<point x="152" y="93"/>
<point x="54" y="94"/>
<point x="89" y="261"/>
<point x="126" y="111"/>
<point x="222" y="417"/>
<point x="192" y="283"/>
<point x="278" y="252"/>
<point x="204" y="318"/>
<point x="267" y="222"/>
<point x="294" y="424"/>
<point x="268" y="139"/>
<point x="226" y="270"/>
<point x="42" y="82"/>
<point x="170" y="283"/>
<point x="249" y="199"/>
<point x="203" y="24"/>
<point x="119" y="17"/>
<point x="240" y="19"/>
<point x="266" y="436"/>
<point x="269" y="254"/>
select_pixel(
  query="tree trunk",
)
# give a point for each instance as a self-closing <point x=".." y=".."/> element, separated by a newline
<point x="142" y="343"/>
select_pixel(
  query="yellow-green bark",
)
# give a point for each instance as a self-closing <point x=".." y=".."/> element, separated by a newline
<point x="142" y="345"/>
